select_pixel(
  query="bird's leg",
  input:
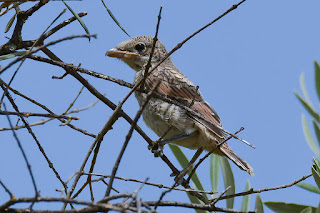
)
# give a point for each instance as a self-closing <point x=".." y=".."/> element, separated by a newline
<point x="157" y="147"/>
<point x="179" y="177"/>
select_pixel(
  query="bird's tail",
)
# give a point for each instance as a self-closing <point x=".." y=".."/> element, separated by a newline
<point x="226" y="150"/>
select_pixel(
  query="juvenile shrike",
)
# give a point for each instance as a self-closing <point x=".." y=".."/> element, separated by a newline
<point x="185" y="129"/>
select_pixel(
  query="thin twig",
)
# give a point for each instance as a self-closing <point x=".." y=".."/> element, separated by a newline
<point x="178" y="179"/>
<point x="7" y="190"/>
<point x="28" y="114"/>
<point x="251" y="191"/>
<point x="48" y="110"/>
<point x="61" y="25"/>
<point x="10" y="7"/>
<point x="155" y="39"/>
<point x="209" y="153"/>
<point x="32" y="134"/>
<point x="135" y="193"/>
<point x="217" y="199"/>
<point x="98" y="139"/>
<point x="72" y="103"/>
<point x="194" y="206"/>
<point x="21" y="148"/>
<point x="151" y="184"/>
<point x="101" y="205"/>
<point x="135" y="120"/>
<point x="81" y="70"/>
<point x="43" y="46"/>
<point x="34" y="44"/>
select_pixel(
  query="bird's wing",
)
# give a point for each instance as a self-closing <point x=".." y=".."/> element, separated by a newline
<point x="176" y="86"/>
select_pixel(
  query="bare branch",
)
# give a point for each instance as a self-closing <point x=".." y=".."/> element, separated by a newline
<point x="32" y="134"/>
<point x="151" y="184"/>
<point x="134" y="123"/>
<point x="28" y="114"/>
<point x="251" y="191"/>
<point x="48" y="110"/>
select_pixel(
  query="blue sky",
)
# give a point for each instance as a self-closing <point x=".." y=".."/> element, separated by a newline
<point x="247" y="66"/>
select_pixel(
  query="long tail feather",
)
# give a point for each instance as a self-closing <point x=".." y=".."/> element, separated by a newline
<point x="225" y="149"/>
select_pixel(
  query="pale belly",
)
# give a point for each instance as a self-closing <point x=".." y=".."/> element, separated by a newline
<point x="168" y="121"/>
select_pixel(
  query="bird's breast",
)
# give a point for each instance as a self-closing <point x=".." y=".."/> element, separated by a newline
<point x="168" y="120"/>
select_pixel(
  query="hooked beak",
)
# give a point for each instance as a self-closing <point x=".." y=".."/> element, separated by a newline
<point x="116" y="53"/>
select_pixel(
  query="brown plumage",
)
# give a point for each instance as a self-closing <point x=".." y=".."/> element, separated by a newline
<point x="205" y="130"/>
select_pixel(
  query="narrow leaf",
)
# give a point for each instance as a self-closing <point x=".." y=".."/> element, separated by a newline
<point x="304" y="90"/>
<point x="195" y="187"/>
<point x="228" y="180"/>
<point x="307" y="134"/>
<point x="258" y="205"/>
<point x="317" y="77"/>
<point x="214" y="173"/>
<point x="246" y="199"/>
<point x="316" y="171"/>
<point x="318" y="209"/>
<point x="114" y="18"/>
<point x="317" y="131"/>
<point x="78" y="18"/>
<point x="183" y="160"/>
<point x="309" y="108"/>
<point x="281" y="207"/>
<point x="193" y="199"/>
<point x="11" y="55"/>
<point x="309" y="187"/>
<point x="307" y="210"/>
<point x="10" y="22"/>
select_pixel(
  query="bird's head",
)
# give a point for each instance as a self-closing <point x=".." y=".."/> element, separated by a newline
<point x="136" y="52"/>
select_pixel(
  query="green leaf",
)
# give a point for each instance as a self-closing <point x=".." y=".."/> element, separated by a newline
<point x="258" y="205"/>
<point x="228" y="180"/>
<point x="307" y="210"/>
<point x="183" y="160"/>
<point x="78" y="18"/>
<point x="309" y="187"/>
<point x="304" y="90"/>
<point x="193" y="199"/>
<point x="317" y="77"/>
<point x="316" y="171"/>
<point x="281" y="207"/>
<point x="11" y="55"/>
<point x="114" y="18"/>
<point x="309" y="108"/>
<point x="214" y="173"/>
<point x="307" y="134"/>
<point x="10" y="22"/>
<point x="246" y="199"/>
<point x="318" y="209"/>
<point x="195" y="187"/>
<point x="317" y="131"/>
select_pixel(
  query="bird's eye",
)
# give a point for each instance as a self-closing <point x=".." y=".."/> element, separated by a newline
<point x="139" y="47"/>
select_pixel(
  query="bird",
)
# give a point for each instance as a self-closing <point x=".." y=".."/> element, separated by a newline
<point x="192" y="123"/>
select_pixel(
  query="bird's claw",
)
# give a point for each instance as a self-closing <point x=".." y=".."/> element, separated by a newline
<point x="178" y="177"/>
<point x="156" y="148"/>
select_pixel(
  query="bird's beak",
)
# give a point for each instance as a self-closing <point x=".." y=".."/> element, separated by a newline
<point x="116" y="53"/>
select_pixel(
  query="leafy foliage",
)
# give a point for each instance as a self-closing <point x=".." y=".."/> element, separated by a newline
<point x="314" y="144"/>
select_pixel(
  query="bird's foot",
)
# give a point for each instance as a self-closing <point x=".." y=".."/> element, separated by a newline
<point x="179" y="176"/>
<point x="156" y="148"/>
